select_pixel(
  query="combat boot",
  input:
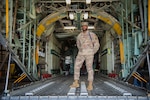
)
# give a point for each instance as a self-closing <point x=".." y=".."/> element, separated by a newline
<point x="75" y="84"/>
<point x="90" y="86"/>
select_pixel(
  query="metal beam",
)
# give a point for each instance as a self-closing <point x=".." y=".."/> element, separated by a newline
<point x="15" y="57"/>
<point x="148" y="62"/>
<point x="14" y="19"/>
<point x="24" y="32"/>
<point x="148" y="18"/>
<point x="7" y="77"/>
<point x="49" y="30"/>
<point x="123" y="37"/>
<point x="145" y="4"/>
<point x="125" y="19"/>
<point x="29" y="48"/>
<point x="141" y="13"/>
<point x="127" y="35"/>
<point x="34" y="68"/>
<point x="11" y="22"/>
<point x="5" y="58"/>
<point x="137" y="64"/>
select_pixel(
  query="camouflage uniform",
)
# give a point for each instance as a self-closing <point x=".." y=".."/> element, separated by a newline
<point x="88" y="45"/>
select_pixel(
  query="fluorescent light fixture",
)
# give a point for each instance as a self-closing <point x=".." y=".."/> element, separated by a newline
<point x="88" y="1"/>
<point x="71" y="16"/>
<point x="85" y="15"/>
<point x="68" y="2"/>
<point x="91" y="27"/>
<point x="69" y="27"/>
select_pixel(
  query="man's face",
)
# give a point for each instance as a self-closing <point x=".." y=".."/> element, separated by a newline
<point x="84" y="27"/>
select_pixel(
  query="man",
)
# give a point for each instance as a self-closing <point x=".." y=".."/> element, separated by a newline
<point x="88" y="45"/>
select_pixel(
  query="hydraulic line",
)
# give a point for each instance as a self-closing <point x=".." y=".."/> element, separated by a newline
<point x="7" y="18"/>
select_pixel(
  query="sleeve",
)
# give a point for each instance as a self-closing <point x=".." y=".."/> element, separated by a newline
<point x="96" y="43"/>
<point x="78" y="43"/>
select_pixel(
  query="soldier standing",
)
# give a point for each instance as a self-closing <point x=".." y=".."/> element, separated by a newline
<point x="88" y="45"/>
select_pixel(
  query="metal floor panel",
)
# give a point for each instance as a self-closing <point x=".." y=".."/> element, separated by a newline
<point x="103" y="89"/>
<point x="75" y="98"/>
<point x="60" y="87"/>
<point x="57" y="88"/>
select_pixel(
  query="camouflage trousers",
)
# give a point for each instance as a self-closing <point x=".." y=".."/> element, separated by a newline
<point x="89" y="66"/>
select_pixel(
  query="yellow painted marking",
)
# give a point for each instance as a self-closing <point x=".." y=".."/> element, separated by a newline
<point x="22" y="78"/>
<point x="40" y="30"/>
<point x="117" y="28"/>
<point x="136" y="77"/>
<point x="52" y="20"/>
<point x="116" y="25"/>
<point x="121" y="52"/>
<point x="37" y="53"/>
<point x="140" y="77"/>
<point x="106" y="20"/>
<point x="19" y="78"/>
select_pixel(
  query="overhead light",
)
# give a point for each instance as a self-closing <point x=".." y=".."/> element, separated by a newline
<point x="69" y="27"/>
<point x="68" y="2"/>
<point x="91" y="27"/>
<point x="88" y="1"/>
<point x="71" y="16"/>
<point x="85" y="15"/>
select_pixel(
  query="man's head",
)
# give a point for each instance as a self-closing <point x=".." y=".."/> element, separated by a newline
<point x="84" y="26"/>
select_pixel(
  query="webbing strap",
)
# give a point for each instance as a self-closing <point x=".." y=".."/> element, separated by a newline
<point x="90" y="38"/>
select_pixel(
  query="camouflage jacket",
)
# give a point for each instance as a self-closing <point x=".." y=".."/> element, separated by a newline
<point x="87" y="43"/>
